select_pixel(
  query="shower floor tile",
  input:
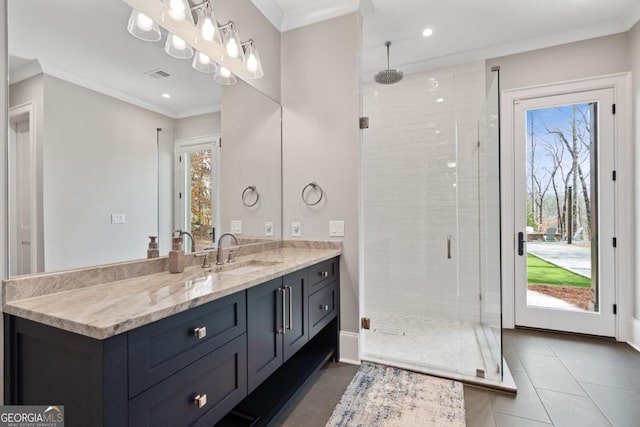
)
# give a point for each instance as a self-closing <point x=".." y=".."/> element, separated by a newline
<point x="438" y="347"/>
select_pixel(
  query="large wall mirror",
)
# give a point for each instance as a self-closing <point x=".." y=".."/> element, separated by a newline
<point x="112" y="141"/>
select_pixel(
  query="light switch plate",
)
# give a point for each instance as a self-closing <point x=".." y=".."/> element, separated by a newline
<point x="296" y="229"/>
<point x="236" y="227"/>
<point x="118" y="218"/>
<point x="336" y="228"/>
<point x="268" y="228"/>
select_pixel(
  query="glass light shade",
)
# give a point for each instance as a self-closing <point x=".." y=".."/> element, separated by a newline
<point x="142" y="27"/>
<point x="231" y="44"/>
<point x="178" y="48"/>
<point x="207" y="26"/>
<point x="224" y="77"/>
<point x="252" y="64"/>
<point x="178" y="10"/>
<point x="204" y="64"/>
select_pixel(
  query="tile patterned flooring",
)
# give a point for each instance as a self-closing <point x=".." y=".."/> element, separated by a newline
<point x="563" y="380"/>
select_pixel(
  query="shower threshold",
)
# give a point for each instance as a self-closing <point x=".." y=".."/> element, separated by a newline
<point x="463" y="351"/>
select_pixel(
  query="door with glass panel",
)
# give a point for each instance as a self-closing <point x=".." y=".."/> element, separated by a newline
<point x="198" y="184"/>
<point x="564" y="214"/>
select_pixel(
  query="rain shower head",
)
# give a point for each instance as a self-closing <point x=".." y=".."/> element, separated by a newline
<point x="388" y="76"/>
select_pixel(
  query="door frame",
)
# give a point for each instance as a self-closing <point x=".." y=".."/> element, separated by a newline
<point x="15" y="115"/>
<point x="185" y="146"/>
<point x="621" y="84"/>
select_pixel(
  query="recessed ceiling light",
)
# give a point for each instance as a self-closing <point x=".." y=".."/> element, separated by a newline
<point x="166" y="96"/>
<point x="440" y="100"/>
<point x="427" y="32"/>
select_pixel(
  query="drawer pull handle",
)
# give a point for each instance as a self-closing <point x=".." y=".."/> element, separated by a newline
<point x="324" y="307"/>
<point x="324" y="274"/>
<point x="200" y="333"/>
<point x="200" y="400"/>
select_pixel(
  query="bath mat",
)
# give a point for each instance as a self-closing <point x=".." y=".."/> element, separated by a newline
<point x="383" y="396"/>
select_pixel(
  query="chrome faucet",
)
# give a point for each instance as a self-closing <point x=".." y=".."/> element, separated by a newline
<point x="193" y="242"/>
<point x="219" y="255"/>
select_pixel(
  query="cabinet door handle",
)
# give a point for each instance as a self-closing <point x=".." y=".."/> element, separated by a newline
<point x="324" y="274"/>
<point x="324" y="307"/>
<point x="200" y="332"/>
<point x="290" y="307"/>
<point x="200" y="400"/>
<point x="284" y="312"/>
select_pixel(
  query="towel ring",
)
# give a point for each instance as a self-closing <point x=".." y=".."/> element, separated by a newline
<point x="250" y="189"/>
<point x="315" y="186"/>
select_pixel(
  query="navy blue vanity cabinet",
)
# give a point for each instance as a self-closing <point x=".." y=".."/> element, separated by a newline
<point x="277" y="324"/>
<point x="297" y="312"/>
<point x="265" y="330"/>
<point x="241" y="357"/>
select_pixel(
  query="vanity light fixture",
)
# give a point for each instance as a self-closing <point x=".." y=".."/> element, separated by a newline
<point x="230" y="40"/>
<point x="225" y="77"/>
<point x="207" y="30"/>
<point x="204" y="64"/>
<point x="178" y="48"/>
<point x="142" y="27"/>
<point x="207" y="25"/>
<point x="178" y="10"/>
<point x="252" y="64"/>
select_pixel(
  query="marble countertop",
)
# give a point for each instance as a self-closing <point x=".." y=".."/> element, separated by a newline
<point x="104" y="310"/>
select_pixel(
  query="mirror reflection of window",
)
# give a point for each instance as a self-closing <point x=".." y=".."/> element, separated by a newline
<point x="198" y="191"/>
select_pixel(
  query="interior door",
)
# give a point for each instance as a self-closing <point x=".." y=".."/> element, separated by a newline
<point x="564" y="215"/>
<point x="21" y="197"/>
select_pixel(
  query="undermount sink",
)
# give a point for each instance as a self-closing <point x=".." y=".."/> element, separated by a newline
<point x="245" y="267"/>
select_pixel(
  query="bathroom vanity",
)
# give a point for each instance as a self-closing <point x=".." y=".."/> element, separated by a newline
<point x="228" y="345"/>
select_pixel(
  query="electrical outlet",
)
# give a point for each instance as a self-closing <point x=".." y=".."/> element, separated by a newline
<point x="336" y="228"/>
<point x="268" y="228"/>
<point x="296" y="229"/>
<point x="236" y="227"/>
<point x="118" y="218"/>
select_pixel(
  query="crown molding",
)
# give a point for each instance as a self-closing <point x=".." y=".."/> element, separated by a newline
<point x="305" y="14"/>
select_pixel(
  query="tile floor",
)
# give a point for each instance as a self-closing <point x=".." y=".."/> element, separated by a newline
<point x="563" y="380"/>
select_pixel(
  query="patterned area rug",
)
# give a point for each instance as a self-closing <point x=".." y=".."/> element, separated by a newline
<point x="382" y="396"/>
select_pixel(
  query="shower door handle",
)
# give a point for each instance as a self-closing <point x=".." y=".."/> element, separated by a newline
<point x="449" y="246"/>
<point x="521" y="243"/>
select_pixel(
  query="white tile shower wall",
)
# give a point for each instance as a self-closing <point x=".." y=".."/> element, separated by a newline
<point x="422" y="181"/>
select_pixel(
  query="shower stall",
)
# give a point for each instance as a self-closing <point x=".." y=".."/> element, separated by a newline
<point x="431" y="224"/>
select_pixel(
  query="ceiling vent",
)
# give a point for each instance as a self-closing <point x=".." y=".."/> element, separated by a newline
<point x="157" y="74"/>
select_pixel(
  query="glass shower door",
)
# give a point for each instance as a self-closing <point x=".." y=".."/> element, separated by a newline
<point x="423" y="230"/>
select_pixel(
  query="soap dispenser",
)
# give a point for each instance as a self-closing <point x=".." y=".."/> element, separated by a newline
<point x="153" y="251"/>
<point x="176" y="256"/>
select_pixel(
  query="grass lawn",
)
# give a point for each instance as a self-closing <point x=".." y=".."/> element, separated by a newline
<point x="541" y="272"/>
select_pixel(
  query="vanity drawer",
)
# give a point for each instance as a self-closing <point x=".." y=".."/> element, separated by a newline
<point x="164" y="347"/>
<point x="322" y="309"/>
<point x="220" y="377"/>
<point x="322" y="274"/>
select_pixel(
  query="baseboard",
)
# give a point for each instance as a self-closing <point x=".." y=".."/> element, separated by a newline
<point x="635" y="334"/>
<point x="349" y="347"/>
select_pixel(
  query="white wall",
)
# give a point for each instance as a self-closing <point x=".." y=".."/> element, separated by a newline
<point x="321" y="140"/>
<point x="634" y="55"/>
<point x="198" y="126"/>
<point x="580" y="60"/>
<point x="99" y="158"/>
<point x="588" y="58"/>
